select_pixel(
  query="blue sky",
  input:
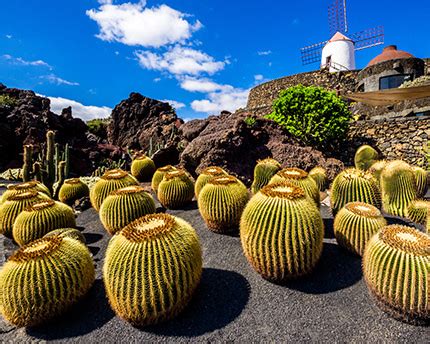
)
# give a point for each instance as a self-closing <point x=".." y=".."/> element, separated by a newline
<point x="202" y="55"/>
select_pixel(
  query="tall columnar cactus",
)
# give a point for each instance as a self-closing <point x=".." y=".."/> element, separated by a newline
<point x="163" y="261"/>
<point x="396" y="267"/>
<point x="142" y="168"/>
<point x="263" y="172"/>
<point x="398" y="187"/>
<point x="159" y="174"/>
<point x="50" y="158"/>
<point x="418" y="211"/>
<point x="319" y="175"/>
<point x="376" y="169"/>
<point x="300" y="178"/>
<point x="282" y="232"/>
<point x="112" y="180"/>
<point x="14" y="205"/>
<point x="125" y="205"/>
<point x="40" y="218"/>
<point x="365" y="156"/>
<point x="175" y="190"/>
<point x="27" y="166"/>
<point x="67" y="232"/>
<point x="205" y="175"/>
<point x="221" y="203"/>
<point x="72" y="189"/>
<point x="422" y="180"/>
<point x="354" y="185"/>
<point x="355" y="224"/>
<point x="43" y="279"/>
<point x="23" y="187"/>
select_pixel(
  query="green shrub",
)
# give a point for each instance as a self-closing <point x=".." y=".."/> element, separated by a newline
<point x="98" y="127"/>
<point x="7" y="101"/>
<point x="250" y="121"/>
<point x="312" y="114"/>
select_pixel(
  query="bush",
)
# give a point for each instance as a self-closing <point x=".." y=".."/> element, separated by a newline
<point x="314" y="115"/>
<point x="7" y="101"/>
<point x="98" y="127"/>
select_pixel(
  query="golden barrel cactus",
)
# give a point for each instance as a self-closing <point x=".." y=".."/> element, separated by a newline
<point x="422" y="180"/>
<point x="205" y="175"/>
<point x="365" y="156"/>
<point x="72" y="190"/>
<point x="175" y="190"/>
<point x="67" y="232"/>
<point x="142" y="168"/>
<point x="376" y="169"/>
<point x="263" y="172"/>
<point x="418" y="211"/>
<point x="159" y="174"/>
<point x="319" y="175"/>
<point x="22" y="187"/>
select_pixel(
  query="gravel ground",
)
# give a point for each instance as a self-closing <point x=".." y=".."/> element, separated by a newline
<point x="233" y="303"/>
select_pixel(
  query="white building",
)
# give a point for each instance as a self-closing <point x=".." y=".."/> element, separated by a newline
<point x="338" y="54"/>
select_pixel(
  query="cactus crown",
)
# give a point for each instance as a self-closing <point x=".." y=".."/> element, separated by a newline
<point x="363" y="209"/>
<point x="213" y="171"/>
<point x="393" y="167"/>
<point x="132" y="189"/>
<point x="293" y="173"/>
<point x="37" y="248"/>
<point x="406" y="239"/>
<point x="353" y="173"/>
<point x="23" y="186"/>
<point x="73" y="181"/>
<point x="223" y="180"/>
<point x="284" y="190"/>
<point x="148" y="227"/>
<point x="269" y="161"/>
<point x="41" y="205"/>
<point x="114" y="174"/>
<point x="175" y="174"/>
<point x="167" y="168"/>
<point x="23" y="196"/>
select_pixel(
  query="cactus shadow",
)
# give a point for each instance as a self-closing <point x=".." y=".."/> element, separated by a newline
<point x="91" y="238"/>
<point x="219" y="299"/>
<point x="94" y="250"/>
<point x="92" y="312"/>
<point x="328" y="228"/>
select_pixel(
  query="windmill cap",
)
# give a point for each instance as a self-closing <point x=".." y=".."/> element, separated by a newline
<point x="390" y="52"/>
<point x="339" y="37"/>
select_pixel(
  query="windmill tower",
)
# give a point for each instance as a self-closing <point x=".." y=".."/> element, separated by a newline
<point x="338" y="53"/>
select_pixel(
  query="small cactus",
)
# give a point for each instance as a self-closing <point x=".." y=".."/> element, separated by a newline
<point x="263" y="172"/>
<point x="175" y="190"/>
<point x="125" y="205"/>
<point x="205" y="175"/>
<point x="40" y="218"/>
<point x="422" y="180"/>
<point x="396" y="268"/>
<point x="365" y="156"/>
<point x="43" y="279"/>
<point x="319" y="175"/>
<point x="418" y="211"/>
<point x="72" y="190"/>
<point x="159" y="174"/>
<point x="67" y="232"/>
<point x="142" y="168"/>
<point x="355" y="224"/>
<point x="22" y="187"/>
<point x="282" y="232"/>
<point x="221" y="203"/>
<point x="163" y="261"/>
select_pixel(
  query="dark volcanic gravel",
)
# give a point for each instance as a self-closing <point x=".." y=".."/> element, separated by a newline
<point x="233" y="303"/>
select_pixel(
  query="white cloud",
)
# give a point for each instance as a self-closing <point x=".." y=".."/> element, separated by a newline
<point x="177" y="105"/>
<point x="22" y="62"/>
<point x="135" y="24"/>
<point x="9" y="36"/>
<point x="202" y="85"/>
<point x="156" y="79"/>
<point x="258" y="77"/>
<point x="264" y="53"/>
<point x="231" y="100"/>
<point x="53" y="79"/>
<point x="180" y="60"/>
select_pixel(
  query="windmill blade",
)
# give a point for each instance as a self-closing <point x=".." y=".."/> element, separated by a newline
<point x="337" y="17"/>
<point x="312" y="53"/>
<point x="368" y="38"/>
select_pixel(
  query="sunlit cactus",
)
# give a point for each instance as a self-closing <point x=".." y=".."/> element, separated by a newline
<point x="72" y="190"/>
<point x="365" y="156"/>
<point x="125" y="205"/>
<point x="43" y="279"/>
<point x="418" y="211"/>
<point x="355" y="224"/>
<point x="23" y="187"/>
<point x="396" y="268"/>
<point x="319" y="175"/>
<point x="422" y="180"/>
<point x="142" y="168"/>
<point x="175" y="190"/>
<point x="376" y="169"/>
<point x="205" y="175"/>
<point x="67" y="232"/>
<point x="263" y="172"/>
<point x="159" y="174"/>
<point x="152" y="268"/>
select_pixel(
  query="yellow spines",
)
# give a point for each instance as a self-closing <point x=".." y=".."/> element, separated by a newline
<point x="14" y="205"/>
<point x="364" y="157"/>
<point x="263" y="172"/>
<point x="175" y="190"/>
<point x="40" y="218"/>
<point x="396" y="268"/>
<point x="376" y="169"/>
<point x="73" y="189"/>
<point x="221" y="203"/>
<point x="205" y="175"/>
<point x="67" y="232"/>
<point x="418" y="211"/>
<point x="152" y="268"/>
<point x="319" y="175"/>
<point x="300" y="178"/>
<point x="422" y="180"/>
<point x="142" y="168"/>
<point x="43" y="279"/>
<point x="22" y="187"/>
<point x="355" y="224"/>
<point x="159" y="174"/>
<point x="123" y="206"/>
<point x="112" y="180"/>
<point x="282" y="232"/>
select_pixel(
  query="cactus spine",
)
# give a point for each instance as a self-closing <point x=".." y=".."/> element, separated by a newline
<point x="72" y="190"/>
<point x="43" y="279"/>
<point x="67" y="232"/>
<point x="23" y="187"/>
<point x="376" y="169"/>
<point x="123" y="206"/>
<point x="355" y="224"/>
<point x="207" y="173"/>
<point x="175" y="190"/>
<point x="319" y="175"/>
<point x="263" y="172"/>
<point x="159" y="174"/>
<point x="164" y="263"/>
<point x="353" y="185"/>
<point x="418" y="211"/>
<point x="422" y="181"/>
<point x="142" y="168"/>
<point x="365" y="156"/>
<point x="282" y="231"/>
<point x="221" y="203"/>
<point x="396" y="267"/>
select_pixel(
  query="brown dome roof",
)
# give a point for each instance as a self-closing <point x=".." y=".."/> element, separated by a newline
<point x="390" y="52"/>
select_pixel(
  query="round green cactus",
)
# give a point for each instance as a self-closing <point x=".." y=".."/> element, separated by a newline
<point x="418" y="210"/>
<point x="398" y="187"/>
<point x="354" y="185"/>
<point x="319" y="175"/>
<point x="175" y="190"/>
<point x="422" y="180"/>
<point x="396" y="268"/>
<point x="221" y="203"/>
<point x="263" y="172"/>
<point x="67" y="232"/>
<point x="282" y="232"/>
<point x="163" y="261"/>
<point x="365" y="156"/>
<point x="207" y="173"/>
<point x="112" y="180"/>
<point x="125" y="205"/>
<point x="43" y="279"/>
<point x="159" y="174"/>
<point x="40" y="218"/>
<point x="14" y="205"/>
<point x="376" y="169"/>
<point x="355" y="224"/>
<point x="22" y="187"/>
<point x="300" y="178"/>
<point x="72" y="190"/>
<point x="142" y="167"/>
